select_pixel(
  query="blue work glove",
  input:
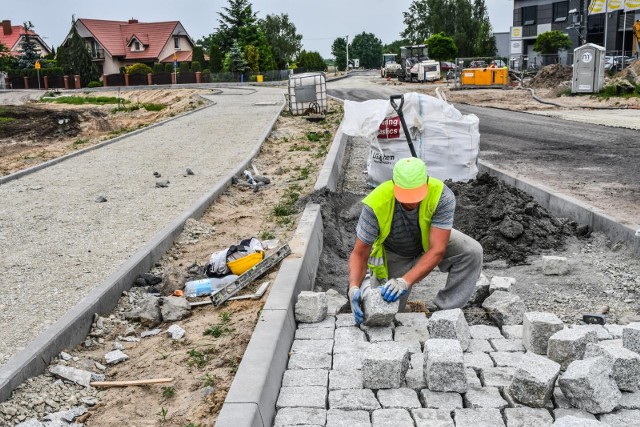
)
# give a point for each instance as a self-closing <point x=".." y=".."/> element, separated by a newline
<point x="354" y="299"/>
<point x="394" y="289"/>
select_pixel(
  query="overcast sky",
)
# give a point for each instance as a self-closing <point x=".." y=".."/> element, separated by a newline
<point x="319" y="22"/>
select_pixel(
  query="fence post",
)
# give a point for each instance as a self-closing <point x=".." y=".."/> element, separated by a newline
<point x="104" y="80"/>
<point x="198" y="77"/>
<point x="150" y="79"/>
<point x="46" y="82"/>
<point x="66" y="82"/>
<point x="26" y="82"/>
<point x="76" y="79"/>
<point x="126" y="79"/>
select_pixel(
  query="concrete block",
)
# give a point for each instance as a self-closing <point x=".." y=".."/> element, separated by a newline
<point x="571" y="421"/>
<point x="353" y="400"/>
<point x="504" y="308"/>
<point x="450" y="324"/>
<point x="391" y="418"/>
<point x="440" y="400"/>
<point x="589" y="385"/>
<point x="497" y="377"/>
<point x="340" y="418"/>
<point x="527" y="417"/>
<point x="347" y="362"/>
<point x="307" y="377"/>
<point x="300" y="416"/>
<point x="477" y="361"/>
<point x="504" y="358"/>
<point x="302" y="397"/>
<point x="629" y="401"/>
<point x="472" y="378"/>
<point x="621" y="418"/>
<point x="378" y="312"/>
<point x="432" y="418"/>
<point x="378" y="333"/>
<point x="336" y="302"/>
<point x="345" y="380"/>
<point x="402" y="398"/>
<point x="631" y="337"/>
<point x="602" y="333"/>
<point x="444" y="366"/>
<point x="484" y="332"/>
<point x="615" y="331"/>
<point x="312" y="346"/>
<point x="626" y="364"/>
<point x="537" y="328"/>
<point x="508" y="345"/>
<point x="418" y="320"/>
<point x="534" y="380"/>
<point x="309" y="361"/>
<point x="484" y="397"/>
<point x="311" y="307"/>
<point x="479" y="346"/>
<point x="411" y="333"/>
<point x="568" y="345"/>
<point x="501" y="284"/>
<point x="513" y="332"/>
<point x="314" y="334"/>
<point x="478" y="418"/>
<point x="385" y="365"/>
<point x="555" y="265"/>
<point x="572" y="412"/>
<point x="345" y="320"/>
<point x="559" y="400"/>
<point x="328" y="322"/>
<point x="480" y="292"/>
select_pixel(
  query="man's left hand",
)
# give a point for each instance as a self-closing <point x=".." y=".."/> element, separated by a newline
<point x="394" y="289"/>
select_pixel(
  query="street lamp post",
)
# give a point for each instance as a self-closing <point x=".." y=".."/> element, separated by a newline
<point x="347" y="55"/>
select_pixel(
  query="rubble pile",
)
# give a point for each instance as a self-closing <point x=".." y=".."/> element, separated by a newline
<point x="551" y="76"/>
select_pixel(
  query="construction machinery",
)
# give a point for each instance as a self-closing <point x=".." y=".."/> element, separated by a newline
<point x="409" y="57"/>
<point x="389" y="66"/>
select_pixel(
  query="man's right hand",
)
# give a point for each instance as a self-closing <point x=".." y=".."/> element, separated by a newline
<point x="354" y="299"/>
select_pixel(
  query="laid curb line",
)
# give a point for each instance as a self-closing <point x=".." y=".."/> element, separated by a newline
<point x="73" y="327"/>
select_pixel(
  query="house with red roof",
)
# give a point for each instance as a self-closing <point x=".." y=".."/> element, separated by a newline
<point x="116" y="44"/>
<point x="12" y="36"/>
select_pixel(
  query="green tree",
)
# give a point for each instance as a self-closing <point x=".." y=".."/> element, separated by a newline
<point x="485" y="41"/>
<point x="198" y="55"/>
<point x="368" y="48"/>
<point x="441" y="47"/>
<point x="282" y="36"/>
<point x="551" y="42"/>
<point x="394" y="47"/>
<point x="29" y="47"/>
<point x="216" y="55"/>
<point x="238" y="23"/>
<point x="416" y="22"/>
<point x="252" y="55"/>
<point x="311" y="61"/>
<point x="235" y="61"/>
<point x="339" y="51"/>
<point x="76" y="59"/>
<point x="5" y="58"/>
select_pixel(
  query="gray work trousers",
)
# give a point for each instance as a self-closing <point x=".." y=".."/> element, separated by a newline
<point x="462" y="260"/>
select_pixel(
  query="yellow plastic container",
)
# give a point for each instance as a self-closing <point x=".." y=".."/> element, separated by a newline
<point x="260" y="78"/>
<point x="240" y="265"/>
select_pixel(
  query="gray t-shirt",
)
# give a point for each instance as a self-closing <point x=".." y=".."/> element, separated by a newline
<point x="404" y="238"/>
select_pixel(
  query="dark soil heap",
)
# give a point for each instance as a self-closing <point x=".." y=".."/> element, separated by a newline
<point x="551" y="76"/>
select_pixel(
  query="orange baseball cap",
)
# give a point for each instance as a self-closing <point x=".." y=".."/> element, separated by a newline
<point x="410" y="180"/>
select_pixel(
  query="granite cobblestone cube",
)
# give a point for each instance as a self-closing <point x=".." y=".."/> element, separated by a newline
<point x="528" y="417"/>
<point x="500" y="377"/>
<point x="328" y="322"/>
<point x="411" y="333"/>
<point x="513" y="332"/>
<point x="572" y="412"/>
<point x="300" y="416"/>
<point x="450" y="324"/>
<point x="341" y="418"/>
<point x="615" y="331"/>
<point x="309" y="361"/>
<point x="621" y="418"/>
<point x="432" y="418"/>
<point x="499" y="283"/>
<point x="418" y="320"/>
<point x="484" y="397"/>
<point x="302" y="397"/>
<point x="505" y="358"/>
<point x="472" y="378"/>
<point x="391" y="418"/>
<point x="631" y="337"/>
<point x="378" y="312"/>
<point x="588" y="384"/>
<point x="346" y="362"/>
<point x="481" y="290"/>
<point x="349" y="334"/>
<point x="629" y="401"/>
<point x="555" y="265"/>
<point x="385" y="365"/>
<point x="444" y="366"/>
<point x="559" y="400"/>
<point x="311" y="307"/>
<point x="571" y="421"/>
<point x="312" y="346"/>
<point x="534" y="380"/>
<point x="626" y="364"/>
<point x="345" y="320"/>
<point x="479" y="346"/>
<point x="568" y="345"/>
<point x="484" y="332"/>
<point x="602" y="333"/>
<point x="537" y="328"/>
<point x="344" y="380"/>
<point x="504" y="308"/>
<point x="350" y="347"/>
<point x="414" y="379"/>
<point x="508" y="345"/>
<point x="353" y="400"/>
<point x="477" y="361"/>
<point x="440" y="400"/>
<point x="478" y="418"/>
<point x="314" y="334"/>
<point x="378" y="333"/>
<point x="400" y="398"/>
<point x="336" y="302"/>
<point x="306" y="377"/>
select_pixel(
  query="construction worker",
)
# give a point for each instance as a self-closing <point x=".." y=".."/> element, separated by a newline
<point x="405" y="230"/>
<point x="493" y="64"/>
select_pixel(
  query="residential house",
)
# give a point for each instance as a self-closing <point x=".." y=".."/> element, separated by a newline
<point x="116" y="44"/>
<point x="13" y="35"/>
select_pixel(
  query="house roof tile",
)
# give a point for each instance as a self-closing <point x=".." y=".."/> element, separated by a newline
<point x="10" y="40"/>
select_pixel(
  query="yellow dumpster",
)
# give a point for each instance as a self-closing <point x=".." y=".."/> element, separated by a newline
<point x="259" y="78"/>
<point x="484" y="76"/>
<point x="469" y="76"/>
<point x="500" y="76"/>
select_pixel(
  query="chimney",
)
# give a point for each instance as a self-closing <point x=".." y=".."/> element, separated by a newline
<point x="6" y="27"/>
<point x="133" y="21"/>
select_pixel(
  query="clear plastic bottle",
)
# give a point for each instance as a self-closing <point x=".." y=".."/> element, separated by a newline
<point x="198" y="288"/>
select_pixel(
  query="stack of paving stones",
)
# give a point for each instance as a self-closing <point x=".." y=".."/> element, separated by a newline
<point x="529" y="369"/>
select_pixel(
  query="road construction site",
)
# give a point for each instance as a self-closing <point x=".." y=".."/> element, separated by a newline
<point x="601" y="271"/>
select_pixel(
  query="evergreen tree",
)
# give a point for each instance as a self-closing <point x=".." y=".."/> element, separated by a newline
<point x="367" y="48"/>
<point x="198" y="56"/>
<point x="76" y="59"/>
<point x="5" y="58"/>
<point x="311" y="61"/>
<point x="238" y="24"/>
<point x="235" y="61"/>
<point x="29" y="47"/>
<point x="339" y="51"/>
<point x="216" y="55"/>
<point x="282" y="36"/>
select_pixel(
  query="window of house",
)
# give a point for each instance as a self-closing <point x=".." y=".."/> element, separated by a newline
<point x="560" y="11"/>
<point x="176" y="42"/>
<point x="529" y="15"/>
<point x="136" y="45"/>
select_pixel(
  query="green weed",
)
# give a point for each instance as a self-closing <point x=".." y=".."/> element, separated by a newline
<point x="199" y="359"/>
<point x="163" y="414"/>
<point x="217" y="331"/>
<point x="168" y="392"/>
<point x="80" y="100"/>
<point x="5" y="120"/>
<point x="225" y="317"/>
<point x="209" y="380"/>
<point x="314" y="136"/>
<point x="283" y="209"/>
<point x="80" y="141"/>
<point x="267" y="235"/>
<point x="153" y="107"/>
<point x="297" y="147"/>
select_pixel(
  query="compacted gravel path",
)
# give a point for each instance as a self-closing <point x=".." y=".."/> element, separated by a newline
<point x="57" y="242"/>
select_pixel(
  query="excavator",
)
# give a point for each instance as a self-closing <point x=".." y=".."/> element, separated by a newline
<point x="636" y="37"/>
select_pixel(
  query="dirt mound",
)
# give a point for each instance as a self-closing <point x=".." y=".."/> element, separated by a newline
<point x="551" y="76"/>
<point x="31" y="123"/>
<point x="631" y="73"/>
<point x="507" y="222"/>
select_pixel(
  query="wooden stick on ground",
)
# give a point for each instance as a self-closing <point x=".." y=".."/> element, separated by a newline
<point x="129" y="383"/>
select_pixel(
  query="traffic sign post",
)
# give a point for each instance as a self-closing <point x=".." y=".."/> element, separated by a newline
<point x="37" y="65"/>
<point x="175" y="66"/>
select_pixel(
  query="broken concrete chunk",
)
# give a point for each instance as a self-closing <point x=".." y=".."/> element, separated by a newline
<point x="300" y="416"/>
<point x="115" y="357"/>
<point x="311" y="307"/>
<point x="626" y="364"/>
<point x="432" y="418"/>
<point x="555" y="265"/>
<point x="336" y="303"/>
<point x="534" y="380"/>
<point x="450" y="324"/>
<point x="385" y="365"/>
<point x="478" y="418"/>
<point x="302" y="397"/>
<point x="504" y="308"/>
<point x="501" y="284"/>
<point x="176" y="332"/>
<point x="68" y="373"/>
<point x="589" y="385"/>
<point x="391" y="418"/>
<point x="174" y="309"/>
<point x="400" y="398"/>
<point x="147" y="312"/>
<point x="568" y="345"/>
<point x="150" y="333"/>
<point x="378" y="312"/>
<point x="631" y="337"/>
<point x="537" y="329"/>
<point x="444" y="366"/>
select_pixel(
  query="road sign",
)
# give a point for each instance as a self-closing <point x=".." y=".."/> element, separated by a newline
<point x="175" y="56"/>
<point x="37" y="65"/>
<point x="175" y="64"/>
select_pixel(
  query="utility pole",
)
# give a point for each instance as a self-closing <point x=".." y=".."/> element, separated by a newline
<point x="585" y="17"/>
<point x="606" y="21"/>
<point x="347" y="54"/>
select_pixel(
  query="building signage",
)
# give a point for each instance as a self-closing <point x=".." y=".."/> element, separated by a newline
<point x="587" y="57"/>
<point x="516" y="32"/>
<point x="516" y="46"/>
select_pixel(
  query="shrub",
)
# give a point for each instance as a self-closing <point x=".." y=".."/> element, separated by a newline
<point x="168" y="67"/>
<point x="94" y="83"/>
<point x="158" y="68"/>
<point x="184" y="67"/>
<point x="195" y="66"/>
<point x="153" y="107"/>
<point x="206" y="71"/>
<point x="138" y="69"/>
